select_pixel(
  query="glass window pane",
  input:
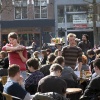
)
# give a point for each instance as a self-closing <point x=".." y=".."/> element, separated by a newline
<point x="70" y="18"/>
<point x="43" y="3"/>
<point x="43" y="9"/>
<point x="76" y="8"/>
<point x="17" y="13"/>
<point x="24" y="12"/>
<point x="43" y="15"/>
<point x="37" y="15"/>
<point x="17" y="3"/>
<point x="60" y="12"/>
<point x="36" y="3"/>
<point x="37" y="10"/>
<point x="24" y="3"/>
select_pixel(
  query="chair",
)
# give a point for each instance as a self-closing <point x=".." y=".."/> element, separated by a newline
<point x="4" y="79"/>
<point x="8" y="97"/>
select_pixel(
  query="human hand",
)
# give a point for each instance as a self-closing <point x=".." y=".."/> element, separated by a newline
<point x="20" y="80"/>
<point x="19" y="48"/>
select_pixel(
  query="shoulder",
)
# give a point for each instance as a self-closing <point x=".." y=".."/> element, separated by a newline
<point x="78" y="48"/>
<point x="65" y="47"/>
<point x="81" y="42"/>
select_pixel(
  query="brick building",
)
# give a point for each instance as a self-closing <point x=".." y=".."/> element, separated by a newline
<point x="33" y="20"/>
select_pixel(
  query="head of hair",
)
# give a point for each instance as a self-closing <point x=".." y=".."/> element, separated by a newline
<point x="97" y="51"/>
<point x="33" y="62"/>
<point x="44" y="52"/>
<point x="35" y="54"/>
<point x="98" y="56"/>
<point x="84" y="59"/>
<point x="48" y="50"/>
<point x="55" y="67"/>
<point x="3" y="53"/>
<point x="96" y="63"/>
<point x="59" y="60"/>
<point x="13" y="70"/>
<point x="87" y="37"/>
<point x="71" y="35"/>
<point x="90" y="52"/>
<point x="56" y="52"/>
<point x="13" y="35"/>
<point x="51" y="57"/>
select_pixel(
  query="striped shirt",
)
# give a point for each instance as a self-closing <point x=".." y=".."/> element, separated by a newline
<point x="71" y="55"/>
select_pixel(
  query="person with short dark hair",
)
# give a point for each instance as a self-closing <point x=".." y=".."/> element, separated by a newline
<point x="67" y="72"/>
<point x="94" y="86"/>
<point x="45" y="68"/>
<point x="31" y="82"/>
<point x="85" y="43"/>
<point x="17" y="53"/>
<point x="91" y="56"/>
<point x="15" y="85"/>
<point x="53" y="82"/>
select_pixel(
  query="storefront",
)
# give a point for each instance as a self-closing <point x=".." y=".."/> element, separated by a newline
<point x="28" y="30"/>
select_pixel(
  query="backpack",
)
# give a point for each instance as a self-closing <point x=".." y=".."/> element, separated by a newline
<point x="48" y="96"/>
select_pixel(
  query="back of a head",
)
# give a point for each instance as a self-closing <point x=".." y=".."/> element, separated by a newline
<point x="55" y="67"/>
<point x="35" y="54"/>
<point x="97" y="51"/>
<point x="33" y="62"/>
<point x="59" y="60"/>
<point x="13" y="70"/>
<point x="84" y="59"/>
<point x="90" y="52"/>
<point x="96" y="63"/>
<point x="51" y="57"/>
<point x="3" y="53"/>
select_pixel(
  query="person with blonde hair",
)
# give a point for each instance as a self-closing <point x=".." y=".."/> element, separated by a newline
<point x="71" y="53"/>
<point x="36" y="55"/>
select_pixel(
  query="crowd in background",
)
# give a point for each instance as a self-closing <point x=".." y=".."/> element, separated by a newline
<point x="50" y="69"/>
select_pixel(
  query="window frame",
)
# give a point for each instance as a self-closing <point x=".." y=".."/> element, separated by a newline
<point x="21" y="7"/>
<point x="40" y="8"/>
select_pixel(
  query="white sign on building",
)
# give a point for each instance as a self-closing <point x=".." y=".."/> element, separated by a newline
<point x="80" y="21"/>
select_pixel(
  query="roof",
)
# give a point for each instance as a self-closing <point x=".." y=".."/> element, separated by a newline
<point x="28" y="23"/>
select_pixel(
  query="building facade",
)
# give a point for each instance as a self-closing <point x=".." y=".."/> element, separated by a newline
<point x="75" y="16"/>
<point x="32" y="20"/>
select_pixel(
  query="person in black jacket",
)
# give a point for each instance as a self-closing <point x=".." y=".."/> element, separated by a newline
<point x="93" y="89"/>
<point x="85" y="43"/>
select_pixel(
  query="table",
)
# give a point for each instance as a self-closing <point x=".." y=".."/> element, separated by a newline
<point x="73" y="93"/>
<point x="73" y="90"/>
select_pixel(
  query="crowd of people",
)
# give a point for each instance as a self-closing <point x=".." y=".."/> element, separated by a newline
<point x="50" y="71"/>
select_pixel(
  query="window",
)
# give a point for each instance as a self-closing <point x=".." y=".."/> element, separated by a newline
<point x="20" y="9"/>
<point x="76" y="8"/>
<point x="40" y="8"/>
<point x="60" y="12"/>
